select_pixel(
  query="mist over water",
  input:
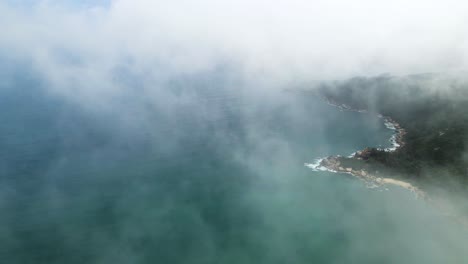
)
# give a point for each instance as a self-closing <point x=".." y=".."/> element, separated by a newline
<point x="220" y="178"/>
<point x="145" y="131"/>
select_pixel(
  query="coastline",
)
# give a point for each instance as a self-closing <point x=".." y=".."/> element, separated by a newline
<point x="333" y="163"/>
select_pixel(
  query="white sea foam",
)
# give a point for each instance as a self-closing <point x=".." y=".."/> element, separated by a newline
<point x="316" y="165"/>
<point x="393" y="139"/>
<point x="389" y="124"/>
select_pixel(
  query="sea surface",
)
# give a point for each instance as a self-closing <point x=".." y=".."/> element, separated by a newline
<point x="208" y="171"/>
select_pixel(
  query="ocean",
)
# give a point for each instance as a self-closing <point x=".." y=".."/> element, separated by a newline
<point x="204" y="172"/>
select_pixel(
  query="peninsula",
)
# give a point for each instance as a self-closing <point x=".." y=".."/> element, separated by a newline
<point x="429" y="114"/>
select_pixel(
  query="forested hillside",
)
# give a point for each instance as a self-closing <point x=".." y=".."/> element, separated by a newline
<point x="433" y="109"/>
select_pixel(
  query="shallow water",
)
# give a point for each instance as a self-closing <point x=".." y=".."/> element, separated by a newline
<point x="215" y="176"/>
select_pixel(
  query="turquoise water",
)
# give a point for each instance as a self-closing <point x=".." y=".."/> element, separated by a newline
<point x="216" y="175"/>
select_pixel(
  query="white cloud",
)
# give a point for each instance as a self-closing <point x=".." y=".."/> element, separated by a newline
<point x="280" y="40"/>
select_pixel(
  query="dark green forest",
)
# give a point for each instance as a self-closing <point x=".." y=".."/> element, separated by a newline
<point x="432" y="108"/>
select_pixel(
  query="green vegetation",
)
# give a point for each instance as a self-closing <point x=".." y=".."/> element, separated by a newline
<point x="433" y="109"/>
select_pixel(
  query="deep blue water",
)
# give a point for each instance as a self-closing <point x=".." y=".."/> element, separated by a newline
<point x="214" y="175"/>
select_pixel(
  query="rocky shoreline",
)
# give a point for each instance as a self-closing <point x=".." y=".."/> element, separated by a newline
<point x="334" y="164"/>
<point x="397" y="139"/>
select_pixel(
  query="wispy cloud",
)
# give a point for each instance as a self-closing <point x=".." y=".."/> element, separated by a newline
<point x="284" y="39"/>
